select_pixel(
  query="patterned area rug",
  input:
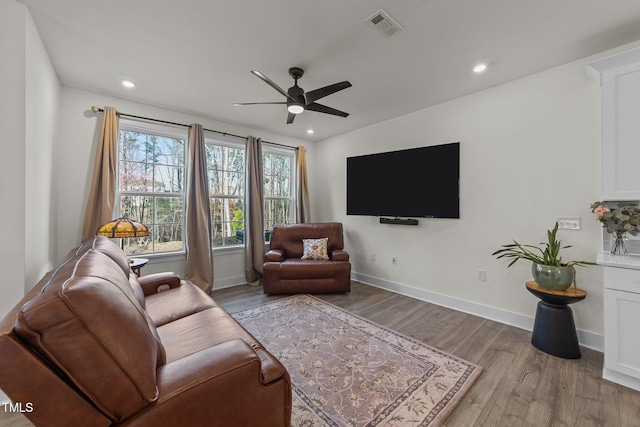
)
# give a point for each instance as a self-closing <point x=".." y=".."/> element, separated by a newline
<point x="348" y="371"/>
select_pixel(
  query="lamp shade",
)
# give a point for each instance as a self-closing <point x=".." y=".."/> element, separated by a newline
<point x="122" y="227"/>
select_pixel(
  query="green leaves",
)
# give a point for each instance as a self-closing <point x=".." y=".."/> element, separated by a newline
<point x="620" y="219"/>
<point x="550" y="255"/>
<point x="517" y="251"/>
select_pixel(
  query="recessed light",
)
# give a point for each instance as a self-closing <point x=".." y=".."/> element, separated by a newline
<point x="128" y="84"/>
<point x="309" y="131"/>
<point x="479" y="68"/>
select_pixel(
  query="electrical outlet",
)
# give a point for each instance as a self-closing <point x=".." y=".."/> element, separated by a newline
<point x="568" y="222"/>
<point x="482" y="275"/>
<point x="373" y="256"/>
<point x="394" y="260"/>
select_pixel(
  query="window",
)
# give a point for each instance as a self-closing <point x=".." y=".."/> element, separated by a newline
<point x="226" y="169"/>
<point x="151" y="186"/>
<point x="278" y="187"/>
<point x="151" y="182"/>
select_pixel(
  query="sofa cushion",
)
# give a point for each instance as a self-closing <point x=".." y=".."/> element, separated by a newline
<point x="113" y="251"/>
<point x="209" y="328"/>
<point x="185" y="336"/>
<point x="89" y="304"/>
<point x="176" y="303"/>
<point x="297" y="268"/>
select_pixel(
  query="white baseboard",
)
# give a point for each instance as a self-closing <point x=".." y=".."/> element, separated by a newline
<point x="585" y="338"/>
<point x="620" y="378"/>
<point x="229" y="282"/>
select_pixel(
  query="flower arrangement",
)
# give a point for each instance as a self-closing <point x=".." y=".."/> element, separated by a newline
<point x="623" y="219"/>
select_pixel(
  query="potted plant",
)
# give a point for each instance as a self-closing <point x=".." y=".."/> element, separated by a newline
<point x="548" y="269"/>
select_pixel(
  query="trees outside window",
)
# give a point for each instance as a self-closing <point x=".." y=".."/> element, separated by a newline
<point x="151" y="182"/>
<point x="151" y="187"/>
<point x="226" y="169"/>
<point x="278" y="199"/>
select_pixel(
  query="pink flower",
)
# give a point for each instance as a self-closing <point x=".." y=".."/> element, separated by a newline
<point x="600" y="211"/>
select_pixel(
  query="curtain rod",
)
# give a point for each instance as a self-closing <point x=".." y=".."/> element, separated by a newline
<point x="97" y="109"/>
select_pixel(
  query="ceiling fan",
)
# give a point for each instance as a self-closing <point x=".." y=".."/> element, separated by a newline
<point x="297" y="99"/>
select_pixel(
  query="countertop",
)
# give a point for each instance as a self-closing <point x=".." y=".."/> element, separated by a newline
<point x="620" y="261"/>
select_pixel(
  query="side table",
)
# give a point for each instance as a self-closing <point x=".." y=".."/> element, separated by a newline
<point x="554" y="330"/>
<point x="137" y="263"/>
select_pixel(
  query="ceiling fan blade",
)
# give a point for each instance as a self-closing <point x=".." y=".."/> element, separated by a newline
<point x="268" y="81"/>
<point x="324" y="109"/>
<point x="237" y="104"/>
<point x="314" y="95"/>
<point x="290" y="118"/>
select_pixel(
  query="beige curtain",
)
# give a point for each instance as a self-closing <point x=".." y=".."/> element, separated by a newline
<point x="100" y="206"/>
<point x="199" y="269"/>
<point x="303" y="210"/>
<point x="254" y="213"/>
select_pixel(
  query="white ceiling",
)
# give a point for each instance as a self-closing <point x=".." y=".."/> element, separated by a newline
<point x="195" y="56"/>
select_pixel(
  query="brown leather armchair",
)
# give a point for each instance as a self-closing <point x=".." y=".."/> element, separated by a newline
<point x="286" y="272"/>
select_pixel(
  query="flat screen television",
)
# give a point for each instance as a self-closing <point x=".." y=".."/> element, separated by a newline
<point x="418" y="182"/>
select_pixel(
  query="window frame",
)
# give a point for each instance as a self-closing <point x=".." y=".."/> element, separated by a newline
<point x="290" y="152"/>
<point x="157" y="129"/>
<point x="267" y="148"/>
<point x="235" y="143"/>
<point x="152" y="128"/>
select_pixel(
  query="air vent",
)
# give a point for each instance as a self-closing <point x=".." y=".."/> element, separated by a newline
<point x="384" y="23"/>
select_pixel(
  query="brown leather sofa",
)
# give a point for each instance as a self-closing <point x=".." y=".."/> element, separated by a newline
<point x="285" y="271"/>
<point x="93" y="345"/>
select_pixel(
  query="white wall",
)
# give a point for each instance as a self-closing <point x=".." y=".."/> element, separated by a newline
<point x="12" y="161"/>
<point x="42" y="103"/>
<point x="30" y="99"/>
<point x="75" y="156"/>
<point x="28" y="113"/>
<point x="530" y="151"/>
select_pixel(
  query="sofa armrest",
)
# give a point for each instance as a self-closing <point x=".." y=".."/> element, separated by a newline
<point x="218" y="386"/>
<point x="158" y="282"/>
<point x="339" y="255"/>
<point x="274" y="255"/>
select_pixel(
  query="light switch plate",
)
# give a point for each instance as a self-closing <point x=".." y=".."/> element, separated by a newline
<point x="568" y="222"/>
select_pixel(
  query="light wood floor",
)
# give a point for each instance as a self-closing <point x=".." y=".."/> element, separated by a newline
<point x="520" y="385"/>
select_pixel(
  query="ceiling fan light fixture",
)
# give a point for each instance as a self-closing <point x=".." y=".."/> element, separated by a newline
<point x="295" y="108"/>
<point x="297" y="100"/>
<point x="479" y="68"/>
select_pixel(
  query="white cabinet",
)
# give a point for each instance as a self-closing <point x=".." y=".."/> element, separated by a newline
<point x="619" y="76"/>
<point x="622" y="326"/>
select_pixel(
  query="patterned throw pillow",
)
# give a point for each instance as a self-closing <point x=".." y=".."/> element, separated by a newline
<point x="315" y="248"/>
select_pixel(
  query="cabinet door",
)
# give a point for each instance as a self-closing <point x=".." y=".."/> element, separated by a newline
<point x="622" y="336"/>
<point x="620" y="133"/>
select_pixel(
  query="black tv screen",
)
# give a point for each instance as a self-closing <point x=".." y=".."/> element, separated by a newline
<point x="419" y="182"/>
